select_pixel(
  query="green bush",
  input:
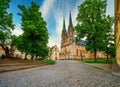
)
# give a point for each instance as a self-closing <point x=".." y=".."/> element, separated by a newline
<point x="51" y="62"/>
<point x="100" y="61"/>
<point x="2" y="56"/>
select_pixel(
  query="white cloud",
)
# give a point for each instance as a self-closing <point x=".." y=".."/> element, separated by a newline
<point x="53" y="41"/>
<point x="46" y="7"/>
<point x="17" y="31"/>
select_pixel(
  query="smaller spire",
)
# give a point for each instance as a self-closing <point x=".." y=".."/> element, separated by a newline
<point x="64" y="27"/>
<point x="70" y="20"/>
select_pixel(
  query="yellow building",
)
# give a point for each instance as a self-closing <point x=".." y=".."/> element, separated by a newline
<point x="117" y="29"/>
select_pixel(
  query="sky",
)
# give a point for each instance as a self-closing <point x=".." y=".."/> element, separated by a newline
<point x="53" y="12"/>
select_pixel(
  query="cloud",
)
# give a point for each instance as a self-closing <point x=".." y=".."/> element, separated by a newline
<point x="17" y="31"/>
<point x="53" y="41"/>
<point x="46" y="7"/>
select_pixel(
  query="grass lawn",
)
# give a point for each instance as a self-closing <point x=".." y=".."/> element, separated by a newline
<point x="50" y="62"/>
<point x="100" y="61"/>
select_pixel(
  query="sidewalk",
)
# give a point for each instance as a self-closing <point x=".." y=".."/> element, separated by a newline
<point x="112" y="68"/>
<point x="115" y="69"/>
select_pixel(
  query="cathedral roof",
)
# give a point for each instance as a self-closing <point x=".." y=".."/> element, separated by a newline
<point x="70" y="20"/>
<point x="81" y="43"/>
<point x="64" y="27"/>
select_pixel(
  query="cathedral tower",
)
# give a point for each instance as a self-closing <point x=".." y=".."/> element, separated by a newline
<point x="64" y="36"/>
<point x="70" y="30"/>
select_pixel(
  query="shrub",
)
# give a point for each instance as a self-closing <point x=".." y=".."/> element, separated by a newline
<point x="2" y="56"/>
<point x="100" y="61"/>
<point x="51" y="62"/>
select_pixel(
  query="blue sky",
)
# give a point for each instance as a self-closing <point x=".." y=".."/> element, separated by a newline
<point x="53" y="12"/>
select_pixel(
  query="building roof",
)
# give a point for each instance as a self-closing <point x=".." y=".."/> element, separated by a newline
<point x="70" y="20"/>
<point x="81" y="43"/>
<point x="64" y="27"/>
<point x="54" y="48"/>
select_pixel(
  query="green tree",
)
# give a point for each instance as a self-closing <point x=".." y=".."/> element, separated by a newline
<point x="20" y="43"/>
<point x="35" y="36"/>
<point x="112" y="50"/>
<point x="108" y="35"/>
<point x="91" y="24"/>
<point x="6" y="25"/>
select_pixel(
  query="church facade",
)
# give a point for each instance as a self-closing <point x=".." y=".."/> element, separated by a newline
<point x="72" y="50"/>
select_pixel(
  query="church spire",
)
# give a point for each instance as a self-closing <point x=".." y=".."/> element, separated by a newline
<point x="64" y="27"/>
<point x="70" y="20"/>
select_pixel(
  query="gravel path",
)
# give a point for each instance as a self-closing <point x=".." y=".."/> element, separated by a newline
<point x="67" y="73"/>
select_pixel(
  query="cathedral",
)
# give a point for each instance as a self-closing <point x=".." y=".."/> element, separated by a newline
<point x="69" y="48"/>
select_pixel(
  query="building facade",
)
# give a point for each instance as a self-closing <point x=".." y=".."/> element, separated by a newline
<point x="117" y="29"/>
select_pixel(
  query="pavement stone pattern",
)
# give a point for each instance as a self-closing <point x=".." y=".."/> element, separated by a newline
<point x="66" y="73"/>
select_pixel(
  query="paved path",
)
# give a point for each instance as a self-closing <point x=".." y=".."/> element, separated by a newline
<point x="67" y="73"/>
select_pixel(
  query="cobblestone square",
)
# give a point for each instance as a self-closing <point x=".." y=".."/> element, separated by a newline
<point x="67" y="73"/>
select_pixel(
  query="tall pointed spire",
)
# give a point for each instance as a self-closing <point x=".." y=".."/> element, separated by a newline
<point x="70" y="20"/>
<point x="64" y="27"/>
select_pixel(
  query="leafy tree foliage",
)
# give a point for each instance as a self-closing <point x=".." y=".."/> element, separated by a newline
<point x="6" y="25"/>
<point x="35" y="37"/>
<point x="108" y="35"/>
<point x="111" y="50"/>
<point x="93" y="24"/>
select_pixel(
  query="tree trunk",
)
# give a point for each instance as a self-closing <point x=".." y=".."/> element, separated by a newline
<point x="6" y="50"/>
<point x="95" y="49"/>
<point x="11" y="50"/>
<point x="36" y="57"/>
<point x="32" y="56"/>
<point x="81" y="55"/>
<point x="7" y="54"/>
<point x="107" y="49"/>
<point x="95" y="52"/>
<point x="107" y="56"/>
<point x="26" y="56"/>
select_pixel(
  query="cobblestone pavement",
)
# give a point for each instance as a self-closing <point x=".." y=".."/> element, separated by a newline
<point x="66" y="73"/>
